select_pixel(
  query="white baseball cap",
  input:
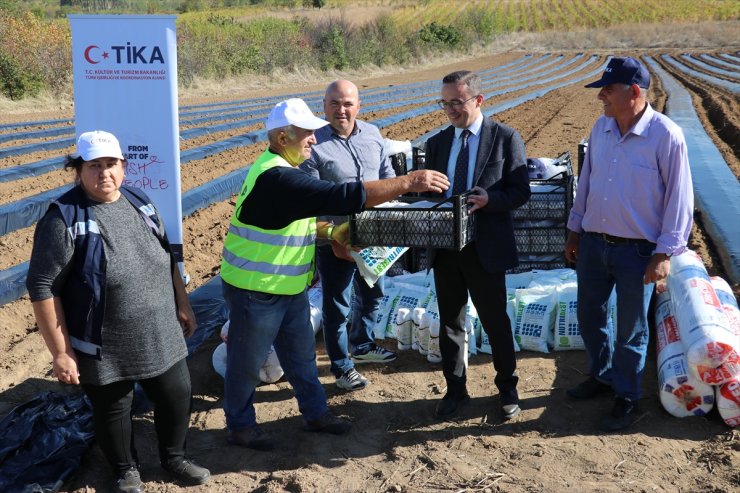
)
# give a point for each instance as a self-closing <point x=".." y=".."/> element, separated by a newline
<point x="294" y="112"/>
<point x="95" y="144"/>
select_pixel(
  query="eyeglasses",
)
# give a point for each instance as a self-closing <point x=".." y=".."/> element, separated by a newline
<point x="453" y="104"/>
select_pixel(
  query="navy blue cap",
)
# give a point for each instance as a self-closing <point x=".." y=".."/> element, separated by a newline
<point x="623" y="71"/>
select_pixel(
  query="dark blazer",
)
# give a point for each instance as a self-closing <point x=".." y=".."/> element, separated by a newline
<point x="500" y="168"/>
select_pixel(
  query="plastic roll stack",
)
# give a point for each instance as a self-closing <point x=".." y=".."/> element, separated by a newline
<point x="698" y="332"/>
<point x="681" y="393"/>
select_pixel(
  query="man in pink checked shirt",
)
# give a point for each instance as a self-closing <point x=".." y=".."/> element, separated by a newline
<point x="633" y="211"/>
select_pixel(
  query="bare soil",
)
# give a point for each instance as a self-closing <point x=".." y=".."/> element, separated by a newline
<point x="395" y="444"/>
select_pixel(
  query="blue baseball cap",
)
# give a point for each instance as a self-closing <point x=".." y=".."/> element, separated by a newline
<point x="623" y="71"/>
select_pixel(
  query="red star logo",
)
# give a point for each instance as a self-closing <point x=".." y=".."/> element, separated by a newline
<point x="105" y="54"/>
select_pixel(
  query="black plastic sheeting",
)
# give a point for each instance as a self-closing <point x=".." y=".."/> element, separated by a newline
<point x="419" y="142"/>
<point x="711" y="68"/>
<point x="733" y="87"/>
<point x="372" y="100"/>
<point x="734" y="67"/>
<point x="43" y="441"/>
<point x="716" y="190"/>
<point x="26" y="212"/>
<point x="13" y="283"/>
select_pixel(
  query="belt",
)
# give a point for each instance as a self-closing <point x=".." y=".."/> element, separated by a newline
<point x="617" y="240"/>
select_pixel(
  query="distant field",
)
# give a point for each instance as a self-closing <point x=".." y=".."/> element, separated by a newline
<point x="502" y="16"/>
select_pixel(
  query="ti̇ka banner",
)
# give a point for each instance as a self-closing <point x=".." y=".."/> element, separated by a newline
<point x="125" y="82"/>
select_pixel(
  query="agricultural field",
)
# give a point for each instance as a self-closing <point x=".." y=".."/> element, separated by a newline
<point x="396" y="445"/>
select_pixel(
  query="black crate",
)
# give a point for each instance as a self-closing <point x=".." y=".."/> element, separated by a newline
<point x="438" y="227"/>
<point x="398" y="163"/>
<point x="418" y="158"/>
<point x="534" y="240"/>
<point x="528" y="265"/>
<point x="550" y="199"/>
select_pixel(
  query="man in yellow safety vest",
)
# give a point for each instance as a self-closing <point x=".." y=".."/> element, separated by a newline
<point x="268" y="262"/>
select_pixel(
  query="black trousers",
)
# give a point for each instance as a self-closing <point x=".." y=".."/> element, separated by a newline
<point x="456" y="274"/>
<point x="170" y="393"/>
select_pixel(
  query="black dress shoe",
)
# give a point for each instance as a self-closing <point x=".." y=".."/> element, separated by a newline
<point x="623" y="414"/>
<point x="129" y="482"/>
<point x="450" y="405"/>
<point x="252" y="437"/>
<point x="187" y="471"/>
<point x="588" y="389"/>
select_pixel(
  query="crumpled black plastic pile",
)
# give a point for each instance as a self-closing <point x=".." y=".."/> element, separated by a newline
<point x="42" y="442"/>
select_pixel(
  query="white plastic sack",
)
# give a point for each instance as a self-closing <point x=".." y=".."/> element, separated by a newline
<point x="709" y="342"/>
<point x="407" y="296"/>
<point x="535" y="318"/>
<point x="472" y="341"/>
<point x="567" y="332"/>
<point x="484" y="345"/>
<point x="728" y="402"/>
<point x="397" y="146"/>
<point x="518" y="281"/>
<point x="681" y="393"/>
<point x="373" y="262"/>
<point x="385" y="312"/>
<point x="270" y="372"/>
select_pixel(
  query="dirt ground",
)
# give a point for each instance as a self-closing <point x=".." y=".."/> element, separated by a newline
<point x="396" y="444"/>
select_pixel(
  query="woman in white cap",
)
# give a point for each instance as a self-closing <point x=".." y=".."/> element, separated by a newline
<point x="112" y="309"/>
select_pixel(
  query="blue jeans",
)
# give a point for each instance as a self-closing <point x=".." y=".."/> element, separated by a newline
<point x="257" y="321"/>
<point x="337" y="278"/>
<point x="618" y="359"/>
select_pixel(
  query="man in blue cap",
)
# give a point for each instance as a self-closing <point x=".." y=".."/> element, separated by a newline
<point x="633" y="211"/>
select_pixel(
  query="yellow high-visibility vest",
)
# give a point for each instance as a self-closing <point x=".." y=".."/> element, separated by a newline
<point x="277" y="261"/>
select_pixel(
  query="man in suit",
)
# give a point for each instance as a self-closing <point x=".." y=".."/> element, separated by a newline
<point x="489" y="158"/>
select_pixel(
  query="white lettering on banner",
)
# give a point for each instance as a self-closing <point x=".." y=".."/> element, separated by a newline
<point x="125" y="82"/>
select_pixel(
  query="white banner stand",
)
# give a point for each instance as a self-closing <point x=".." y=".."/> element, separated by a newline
<point x="125" y="82"/>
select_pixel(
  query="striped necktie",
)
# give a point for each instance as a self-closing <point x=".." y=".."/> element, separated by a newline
<point x="460" y="181"/>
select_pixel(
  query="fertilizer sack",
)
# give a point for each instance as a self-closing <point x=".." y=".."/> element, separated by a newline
<point x="535" y="318"/>
<point x="373" y="262"/>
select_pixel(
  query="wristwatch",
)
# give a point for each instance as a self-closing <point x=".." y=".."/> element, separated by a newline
<point x="329" y="231"/>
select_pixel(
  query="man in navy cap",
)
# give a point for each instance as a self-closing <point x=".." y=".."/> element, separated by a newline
<point x="633" y="211"/>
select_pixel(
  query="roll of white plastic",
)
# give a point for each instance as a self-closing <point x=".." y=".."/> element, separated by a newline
<point x="681" y="393"/>
<point x="709" y="342"/>
<point x="728" y="402"/>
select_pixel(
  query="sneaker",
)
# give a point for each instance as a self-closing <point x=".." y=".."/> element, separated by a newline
<point x="252" y="437"/>
<point x="352" y="380"/>
<point x="187" y="471"/>
<point x="129" y="482"/>
<point x="375" y="354"/>
<point x="328" y="423"/>
<point x="623" y="414"/>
